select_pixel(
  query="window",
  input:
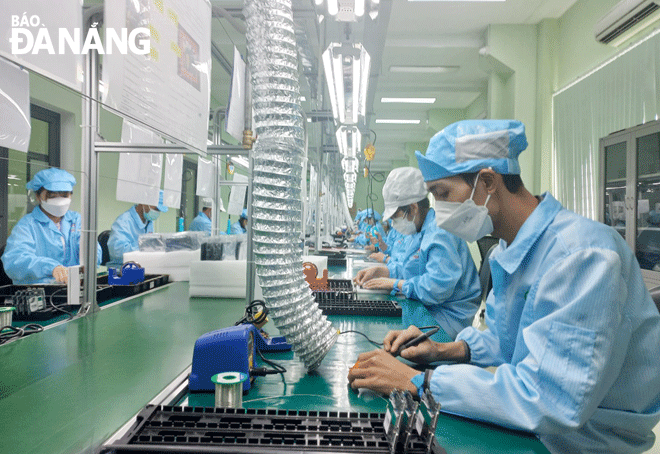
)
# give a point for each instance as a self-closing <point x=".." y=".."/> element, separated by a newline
<point x="17" y="168"/>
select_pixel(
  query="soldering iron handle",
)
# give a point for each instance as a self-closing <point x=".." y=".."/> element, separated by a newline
<point x="418" y="340"/>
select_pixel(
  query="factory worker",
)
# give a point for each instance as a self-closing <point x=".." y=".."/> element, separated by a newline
<point x="240" y="226"/>
<point x="391" y="246"/>
<point x="126" y="229"/>
<point x="47" y="240"/>
<point x="369" y="230"/>
<point x="202" y="222"/>
<point x="571" y="327"/>
<point x="436" y="273"/>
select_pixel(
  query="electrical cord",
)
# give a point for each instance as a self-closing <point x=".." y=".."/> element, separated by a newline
<point x="10" y="332"/>
<point x="377" y="344"/>
<point x="261" y="371"/>
<point x="50" y="299"/>
<point x="255" y="313"/>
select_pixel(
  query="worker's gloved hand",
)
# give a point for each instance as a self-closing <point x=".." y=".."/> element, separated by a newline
<point x="61" y="274"/>
<point x="370" y="248"/>
<point x="380" y="283"/>
<point x="370" y="273"/>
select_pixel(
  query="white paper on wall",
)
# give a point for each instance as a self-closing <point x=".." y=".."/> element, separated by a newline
<point x="237" y="194"/>
<point x="235" y="122"/>
<point x="37" y="27"/>
<point x="169" y="88"/>
<point x="173" y="179"/>
<point x="15" y="124"/>
<point x="138" y="177"/>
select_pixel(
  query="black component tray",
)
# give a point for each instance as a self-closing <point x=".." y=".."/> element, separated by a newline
<point x="340" y="290"/>
<point x="377" y="308"/>
<point x="57" y="293"/>
<point x="165" y="429"/>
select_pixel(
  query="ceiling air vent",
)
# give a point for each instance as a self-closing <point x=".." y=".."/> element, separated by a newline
<point x="625" y="19"/>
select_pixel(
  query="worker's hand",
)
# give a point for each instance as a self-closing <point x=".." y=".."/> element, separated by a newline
<point x="378" y="257"/>
<point x="380" y="283"/>
<point x="370" y="248"/>
<point x="370" y="273"/>
<point x="381" y="372"/>
<point x="61" y="274"/>
<point x="422" y="353"/>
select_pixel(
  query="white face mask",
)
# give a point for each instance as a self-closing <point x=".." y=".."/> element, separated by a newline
<point x="56" y="206"/>
<point x="404" y="226"/>
<point x="465" y="220"/>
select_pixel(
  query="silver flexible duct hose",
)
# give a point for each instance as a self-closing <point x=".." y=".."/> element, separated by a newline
<point x="277" y="173"/>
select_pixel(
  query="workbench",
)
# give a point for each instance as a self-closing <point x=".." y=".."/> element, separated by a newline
<point x="71" y="387"/>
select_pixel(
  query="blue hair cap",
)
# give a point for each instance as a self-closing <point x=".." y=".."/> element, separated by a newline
<point x="471" y="145"/>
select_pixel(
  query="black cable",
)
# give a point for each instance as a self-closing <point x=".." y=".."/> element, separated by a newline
<point x="10" y="332"/>
<point x="58" y="308"/>
<point x="377" y="344"/>
<point x="278" y="369"/>
<point x="255" y="313"/>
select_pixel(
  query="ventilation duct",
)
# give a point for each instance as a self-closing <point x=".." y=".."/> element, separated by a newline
<point x="277" y="174"/>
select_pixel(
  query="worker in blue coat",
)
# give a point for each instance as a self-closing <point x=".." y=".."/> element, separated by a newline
<point x="572" y="329"/>
<point x="47" y="240"/>
<point x="124" y="233"/>
<point x="436" y="273"/>
<point x="202" y="222"/>
<point x="240" y="226"/>
<point x="391" y="246"/>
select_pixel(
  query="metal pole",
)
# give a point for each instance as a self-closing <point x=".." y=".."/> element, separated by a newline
<point x="319" y="175"/>
<point x="89" y="167"/>
<point x="251" y="277"/>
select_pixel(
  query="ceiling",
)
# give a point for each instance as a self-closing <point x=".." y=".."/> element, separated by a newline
<point x="405" y="33"/>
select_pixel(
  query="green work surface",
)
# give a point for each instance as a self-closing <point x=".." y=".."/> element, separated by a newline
<point x="67" y="389"/>
<point x="327" y="389"/>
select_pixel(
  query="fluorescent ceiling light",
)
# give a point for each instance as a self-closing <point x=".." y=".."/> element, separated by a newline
<point x="409" y="100"/>
<point x="424" y="69"/>
<point x="347" y="74"/>
<point x="389" y="121"/>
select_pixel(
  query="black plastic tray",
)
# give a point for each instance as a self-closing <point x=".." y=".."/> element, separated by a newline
<point x="378" y="308"/>
<point x="165" y="429"/>
<point x="340" y="290"/>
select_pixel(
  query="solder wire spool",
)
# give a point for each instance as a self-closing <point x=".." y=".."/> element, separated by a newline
<point x="277" y="174"/>
<point x="6" y="315"/>
<point x="229" y="389"/>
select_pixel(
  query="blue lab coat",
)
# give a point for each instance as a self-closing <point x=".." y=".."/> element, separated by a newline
<point x="441" y="277"/>
<point x="236" y="228"/>
<point x="124" y="235"/>
<point x="36" y="246"/>
<point x="201" y="223"/>
<point x="575" y="334"/>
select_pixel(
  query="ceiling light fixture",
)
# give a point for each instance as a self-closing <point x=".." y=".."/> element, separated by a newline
<point x="409" y="100"/>
<point x="349" y="140"/>
<point x="424" y="69"/>
<point x="346" y="69"/>
<point x="389" y="121"/>
<point x="347" y="10"/>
